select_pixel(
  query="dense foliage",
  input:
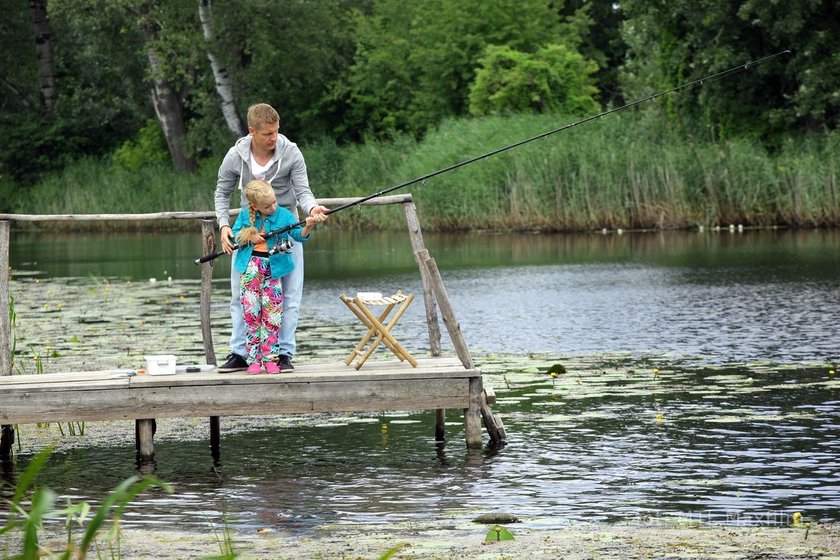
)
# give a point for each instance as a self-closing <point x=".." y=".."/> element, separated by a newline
<point x="137" y="84"/>
<point x="675" y="41"/>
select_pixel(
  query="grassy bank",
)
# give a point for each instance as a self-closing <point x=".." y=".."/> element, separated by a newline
<point x="618" y="172"/>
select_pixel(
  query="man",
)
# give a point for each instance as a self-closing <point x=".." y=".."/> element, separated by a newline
<point x="265" y="154"/>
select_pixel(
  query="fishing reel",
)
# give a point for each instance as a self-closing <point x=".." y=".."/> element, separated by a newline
<point x="285" y="246"/>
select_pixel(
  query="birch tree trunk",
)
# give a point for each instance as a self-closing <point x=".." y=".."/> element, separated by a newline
<point x="44" y="55"/>
<point x="165" y="100"/>
<point x="224" y="84"/>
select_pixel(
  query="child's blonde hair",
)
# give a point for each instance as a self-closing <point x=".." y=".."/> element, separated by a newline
<point x="257" y="193"/>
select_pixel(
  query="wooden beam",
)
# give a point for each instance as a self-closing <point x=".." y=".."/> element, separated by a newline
<point x="437" y="383"/>
<point x="5" y="302"/>
<point x="447" y="311"/>
<point x="234" y="400"/>
<point x="492" y="422"/>
<point x="215" y="439"/>
<point x="328" y="202"/>
<point x="145" y="429"/>
<point x="209" y="247"/>
<point x="7" y="432"/>
<point x="440" y="424"/>
<point x="489" y="394"/>
<point x="416" y="237"/>
<point x="472" y="415"/>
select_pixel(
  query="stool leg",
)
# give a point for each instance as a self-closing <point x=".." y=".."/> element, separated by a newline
<point x="383" y="333"/>
<point x="401" y="352"/>
<point x="376" y="328"/>
<point x="357" y="351"/>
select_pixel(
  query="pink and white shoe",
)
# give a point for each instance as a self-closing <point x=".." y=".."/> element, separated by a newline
<point x="254" y="369"/>
<point x="272" y="367"/>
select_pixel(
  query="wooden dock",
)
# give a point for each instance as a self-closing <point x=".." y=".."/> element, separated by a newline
<point x="437" y="383"/>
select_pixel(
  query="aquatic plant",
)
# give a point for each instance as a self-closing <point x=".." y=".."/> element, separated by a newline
<point x="42" y="506"/>
<point x="225" y="542"/>
<point x="393" y="550"/>
<point x="498" y="533"/>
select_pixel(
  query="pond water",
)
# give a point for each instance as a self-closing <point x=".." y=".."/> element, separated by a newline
<point x="699" y="378"/>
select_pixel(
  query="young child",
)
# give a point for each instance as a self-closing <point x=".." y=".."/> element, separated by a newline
<point x="260" y="287"/>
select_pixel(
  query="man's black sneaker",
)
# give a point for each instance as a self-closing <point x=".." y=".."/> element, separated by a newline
<point x="234" y="362"/>
<point x="285" y="363"/>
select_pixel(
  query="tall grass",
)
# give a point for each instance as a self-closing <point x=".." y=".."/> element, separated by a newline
<point x="93" y="187"/>
<point x="620" y="171"/>
<point x="93" y="522"/>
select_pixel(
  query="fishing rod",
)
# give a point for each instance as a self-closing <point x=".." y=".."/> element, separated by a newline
<point x="424" y="178"/>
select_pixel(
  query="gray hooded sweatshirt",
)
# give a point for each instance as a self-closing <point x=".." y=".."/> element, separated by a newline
<point x="286" y="173"/>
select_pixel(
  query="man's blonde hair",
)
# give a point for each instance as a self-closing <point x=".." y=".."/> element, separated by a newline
<point x="260" y="114"/>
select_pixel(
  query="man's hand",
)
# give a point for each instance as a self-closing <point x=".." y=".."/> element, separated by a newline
<point x="320" y="213"/>
<point x="227" y="239"/>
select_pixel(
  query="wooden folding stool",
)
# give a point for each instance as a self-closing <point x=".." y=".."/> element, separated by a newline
<point x="377" y="330"/>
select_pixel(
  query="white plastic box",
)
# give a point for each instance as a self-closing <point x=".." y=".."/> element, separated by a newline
<point x="160" y="365"/>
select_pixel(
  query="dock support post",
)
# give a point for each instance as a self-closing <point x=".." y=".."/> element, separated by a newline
<point x="440" y="424"/>
<point x="472" y="415"/>
<point x="7" y="442"/>
<point x="7" y="433"/>
<point x="145" y="433"/>
<point x="209" y="246"/>
<point x="215" y="440"/>
<point x="208" y="235"/>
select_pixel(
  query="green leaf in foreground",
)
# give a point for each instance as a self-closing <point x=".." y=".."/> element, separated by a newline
<point x="498" y="533"/>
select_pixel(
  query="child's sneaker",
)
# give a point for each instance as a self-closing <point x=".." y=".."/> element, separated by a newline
<point x="254" y="369"/>
<point x="272" y="367"/>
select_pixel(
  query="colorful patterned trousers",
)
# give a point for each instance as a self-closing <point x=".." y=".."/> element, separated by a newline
<point x="262" y="302"/>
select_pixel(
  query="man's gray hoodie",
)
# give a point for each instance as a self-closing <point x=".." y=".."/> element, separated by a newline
<point x="286" y="173"/>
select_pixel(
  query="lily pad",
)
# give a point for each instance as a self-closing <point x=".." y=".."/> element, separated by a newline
<point x="557" y="368"/>
<point x="498" y="533"/>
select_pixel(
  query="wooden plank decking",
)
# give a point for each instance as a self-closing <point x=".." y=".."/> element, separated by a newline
<point x="322" y="387"/>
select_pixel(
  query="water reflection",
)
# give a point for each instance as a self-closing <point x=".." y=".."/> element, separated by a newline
<point x="335" y="254"/>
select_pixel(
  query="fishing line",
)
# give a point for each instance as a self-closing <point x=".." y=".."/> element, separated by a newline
<point x="423" y="178"/>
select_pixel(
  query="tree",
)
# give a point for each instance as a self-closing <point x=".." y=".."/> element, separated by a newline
<point x="554" y="79"/>
<point x="675" y="42"/>
<point x="602" y="42"/>
<point x="224" y="82"/>
<point x="44" y="55"/>
<point x="164" y="98"/>
<point x="287" y="54"/>
<point x="18" y="68"/>
<point x="415" y="61"/>
<point x="810" y="28"/>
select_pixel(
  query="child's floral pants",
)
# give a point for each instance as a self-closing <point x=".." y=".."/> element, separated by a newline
<point x="262" y="302"/>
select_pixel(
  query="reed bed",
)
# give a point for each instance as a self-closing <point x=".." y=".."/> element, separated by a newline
<point x="622" y="171"/>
